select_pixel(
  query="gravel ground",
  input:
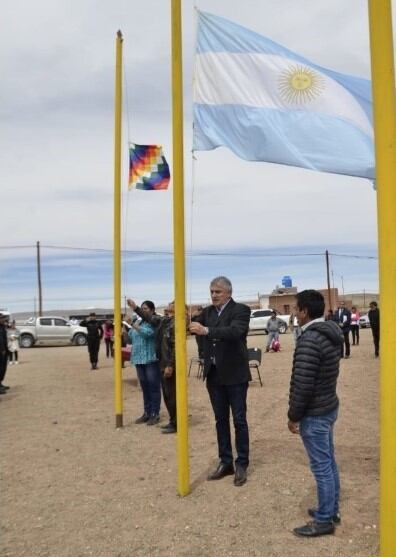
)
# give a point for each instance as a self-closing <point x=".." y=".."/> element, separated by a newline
<point x="74" y="486"/>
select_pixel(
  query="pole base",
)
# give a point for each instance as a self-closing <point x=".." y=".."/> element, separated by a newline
<point x="119" y="420"/>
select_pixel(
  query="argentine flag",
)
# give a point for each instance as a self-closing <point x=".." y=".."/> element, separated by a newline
<point x="266" y="103"/>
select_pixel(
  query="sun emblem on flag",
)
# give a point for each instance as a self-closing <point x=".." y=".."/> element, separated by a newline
<point x="300" y="84"/>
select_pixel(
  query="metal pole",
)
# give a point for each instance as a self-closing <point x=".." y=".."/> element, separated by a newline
<point x="40" y="293"/>
<point x="117" y="234"/>
<point x="328" y="280"/>
<point x="183" y="470"/>
<point x="383" y="81"/>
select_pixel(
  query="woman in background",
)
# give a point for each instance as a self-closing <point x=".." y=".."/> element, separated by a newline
<point x="142" y="335"/>
<point x="13" y="343"/>
<point x="355" y="316"/>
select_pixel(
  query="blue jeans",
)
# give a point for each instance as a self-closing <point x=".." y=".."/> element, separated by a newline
<point x="150" y="380"/>
<point x="317" y="435"/>
<point x="274" y="335"/>
<point x="224" y="397"/>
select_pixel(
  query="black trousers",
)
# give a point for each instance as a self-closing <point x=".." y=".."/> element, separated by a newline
<point x="13" y="356"/>
<point x="376" y="339"/>
<point x="347" y="345"/>
<point x="109" y="347"/>
<point x="3" y="365"/>
<point x="93" y="349"/>
<point x="168" y="385"/>
<point x="355" y="334"/>
<point x="223" y="398"/>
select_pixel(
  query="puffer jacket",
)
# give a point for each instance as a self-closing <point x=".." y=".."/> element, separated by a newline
<point x="316" y="365"/>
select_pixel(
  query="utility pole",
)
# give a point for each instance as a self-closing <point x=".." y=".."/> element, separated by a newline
<point x="342" y="283"/>
<point x="328" y="280"/>
<point x="40" y="294"/>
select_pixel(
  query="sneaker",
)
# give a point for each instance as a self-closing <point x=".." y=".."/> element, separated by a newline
<point x="142" y="420"/>
<point x="153" y="420"/>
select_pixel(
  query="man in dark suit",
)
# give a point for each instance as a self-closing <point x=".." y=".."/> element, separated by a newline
<point x="342" y="316"/>
<point x="374" y="318"/>
<point x="224" y="326"/>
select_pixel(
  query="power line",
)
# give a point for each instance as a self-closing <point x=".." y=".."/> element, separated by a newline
<point x="191" y="253"/>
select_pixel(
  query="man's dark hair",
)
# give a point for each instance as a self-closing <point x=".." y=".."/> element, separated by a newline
<point x="373" y="304"/>
<point x="312" y="301"/>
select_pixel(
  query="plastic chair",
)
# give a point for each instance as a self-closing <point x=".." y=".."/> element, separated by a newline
<point x="254" y="355"/>
<point x="200" y="363"/>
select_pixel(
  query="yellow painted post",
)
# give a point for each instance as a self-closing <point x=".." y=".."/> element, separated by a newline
<point x="383" y="79"/>
<point x="117" y="233"/>
<point x="183" y="472"/>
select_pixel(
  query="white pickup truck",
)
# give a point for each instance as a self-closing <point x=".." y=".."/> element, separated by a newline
<point x="46" y="331"/>
<point x="259" y="319"/>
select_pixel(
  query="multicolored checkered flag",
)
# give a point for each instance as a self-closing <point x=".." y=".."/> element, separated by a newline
<point x="148" y="169"/>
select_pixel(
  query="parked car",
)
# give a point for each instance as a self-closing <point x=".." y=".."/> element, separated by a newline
<point x="364" y="322"/>
<point x="259" y="319"/>
<point x="46" y="331"/>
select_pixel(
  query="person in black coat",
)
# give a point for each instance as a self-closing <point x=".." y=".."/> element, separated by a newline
<point x="3" y="353"/>
<point x="313" y="405"/>
<point x="224" y="326"/>
<point x="374" y="318"/>
<point x="342" y="316"/>
<point x="95" y="334"/>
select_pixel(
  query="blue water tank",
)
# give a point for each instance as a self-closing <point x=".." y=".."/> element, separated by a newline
<point x="287" y="281"/>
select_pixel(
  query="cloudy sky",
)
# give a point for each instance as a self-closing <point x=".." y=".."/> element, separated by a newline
<point x="57" y="100"/>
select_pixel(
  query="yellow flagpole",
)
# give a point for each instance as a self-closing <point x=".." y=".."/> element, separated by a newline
<point x="117" y="233"/>
<point x="179" y="255"/>
<point x="383" y="79"/>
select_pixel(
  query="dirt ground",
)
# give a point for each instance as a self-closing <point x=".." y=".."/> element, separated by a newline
<point x="74" y="486"/>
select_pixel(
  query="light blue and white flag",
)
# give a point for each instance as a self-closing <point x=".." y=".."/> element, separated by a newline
<point x="266" y="103"/>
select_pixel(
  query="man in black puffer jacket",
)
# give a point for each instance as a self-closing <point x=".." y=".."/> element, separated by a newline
<point x="313" y="405"/>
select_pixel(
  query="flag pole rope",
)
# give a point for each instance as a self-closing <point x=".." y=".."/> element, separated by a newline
<point x="193" y="180"/>
<point x="126" y="192"/>
<point x="190" y="257"/>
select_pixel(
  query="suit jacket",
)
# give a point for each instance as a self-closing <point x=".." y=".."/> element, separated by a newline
<point x="345" y="324"/>
<point x="225" y="345"/>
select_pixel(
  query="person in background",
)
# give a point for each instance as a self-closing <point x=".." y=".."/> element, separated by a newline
<point x="199" y="339"/>
<point x="167" y="357"/>
<point x="13" y="343"/>
<point x="225" y="325"/>
<point x="3" y="353"/>
<point x="329" y="315"/>
<point x="95" y="334"/>
<point x="355" y="316"/>
<point x="374" y="318"/>
<point x="108" y="334"/>
<point x="294" y="327"/>
<point x="313" y="406"/>
<point x="342" y="316"/>
<point x="142" y="335"/>
<point x="273" y="326"/>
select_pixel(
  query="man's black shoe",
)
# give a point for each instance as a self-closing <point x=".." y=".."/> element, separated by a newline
<point x="142" y="420"/>
<point x="153" y="420"/>
<point x="3" y="391"/>
<point x="240" y="476"/>
<point x="336" y="518"/>
<point x="4" y="386"/>
<point x="314" y="529"/>
<point x="170" y="428"/>
<point x="221" y="471"/>
<point x="166" y="426"/>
